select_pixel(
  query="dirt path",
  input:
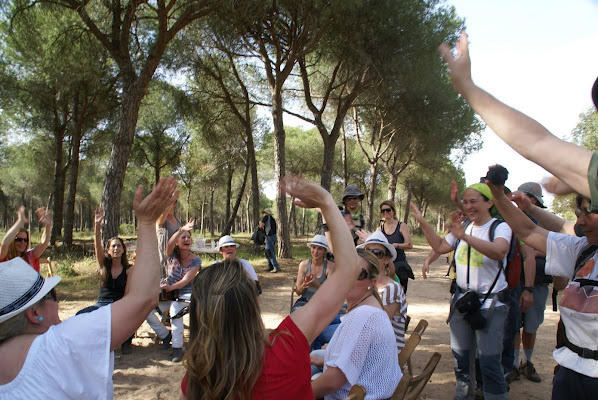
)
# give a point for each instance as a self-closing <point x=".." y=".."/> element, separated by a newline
<point x="147" y="373"/>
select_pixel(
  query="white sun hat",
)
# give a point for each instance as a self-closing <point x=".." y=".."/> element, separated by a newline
<point x="319" y="240"/>
<point x="226" y="240"/>
<point x="21" y="287"/>
<point x="379" y="238"/>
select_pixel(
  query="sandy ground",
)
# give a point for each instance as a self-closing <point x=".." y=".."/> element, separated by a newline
<point x="147" y="373"/>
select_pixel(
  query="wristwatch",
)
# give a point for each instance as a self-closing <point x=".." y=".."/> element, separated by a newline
<point x="529" y="288"/>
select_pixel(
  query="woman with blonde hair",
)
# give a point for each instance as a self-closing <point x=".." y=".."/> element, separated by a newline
<point x="362" y="349"/>
<point x="231" y="356"/>
<point x="16" y="241"/>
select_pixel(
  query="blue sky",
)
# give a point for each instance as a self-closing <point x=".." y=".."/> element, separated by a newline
<point x="540" y="57"/>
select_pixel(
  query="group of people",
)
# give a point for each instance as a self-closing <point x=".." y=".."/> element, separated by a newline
<point x="230" y="354"/>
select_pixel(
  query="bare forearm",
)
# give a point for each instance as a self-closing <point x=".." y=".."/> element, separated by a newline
<point x="494" y="250"/>
<point x="550" y="221"/>
<point x="144" y="281"/>
<point x="97" y="246"/>
<point x="520" y="223"/>
<point x="532" y="140"/>
<point x="433" y="239"/>
<point x="529" y="265"/>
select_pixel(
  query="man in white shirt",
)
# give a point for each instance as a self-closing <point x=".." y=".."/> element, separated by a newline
<point x="227" y="247"/>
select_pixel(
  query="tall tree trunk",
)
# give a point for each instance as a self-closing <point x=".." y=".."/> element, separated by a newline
<point x="371" y="194"/>
<point x="58" y="193"/>
<point x="345" y="173"/>
<point x="303" y="223"/>
<point x="233" y="215"/>
<point x="73" y="174"/>
<point x="392" y="186"/>
<point x="212" y="211"/>
<point x="255" y="188"/>
<point x="132" y="95"/>
<point x="284" y="238"/>
<point x="229" y="189"/>
<point x="409" y="190"/>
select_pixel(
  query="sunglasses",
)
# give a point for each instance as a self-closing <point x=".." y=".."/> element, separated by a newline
<point x="385" y="210"/>
<point x="20" y="239"/>
<point x="379" y="253"/>
<point x="364" y="274"/>
<point x="51" y="295"/>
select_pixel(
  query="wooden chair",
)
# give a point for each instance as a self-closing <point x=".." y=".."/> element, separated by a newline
<point x="47" y="261"/>
<point x="411" y="344"/>
<point x="410" y="387"/>
<point x="357" y="392"/>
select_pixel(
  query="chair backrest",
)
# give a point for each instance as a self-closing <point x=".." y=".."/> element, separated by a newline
<point x="357" y="392"/>
<point x="46" y="260"/>
<point x="412" y="343"/>
<point x="416" y="384"/>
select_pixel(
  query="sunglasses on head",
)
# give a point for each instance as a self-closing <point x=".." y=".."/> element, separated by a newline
<point x="364" y="274"/>
<point x="385" y="210"/>
<point x="379" y="253"/>
<point x="51" y="295"/>
<point x="20" y="239"/>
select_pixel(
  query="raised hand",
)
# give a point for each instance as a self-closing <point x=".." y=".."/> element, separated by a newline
<point x="521" y="199"/>
<point x="415" y="212"/>
<point x="459" y="65"/>
<point x="556" y="186"/>
<point x="189" y="225"/>
<point x="305" y="194"/>
<point x="98" y="216"/>
<point x="44" y="216"/>
<point x="21" y="215"/>
<point x="148" y="208"/>
<point x="456" y="228"/>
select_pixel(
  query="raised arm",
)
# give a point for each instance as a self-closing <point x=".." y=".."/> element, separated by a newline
<point x="327" y="301"/>
<point x="45" y="218"/>
<point x="496" y="250"/>
<point x="544" y="218"/>
<point x="523" y="227"/>
<point x="11" y="233"/>
<point x="143" y="284"/>
<point x="438" y="244"/>
<point x="529" y="267"/>
<point x="97" y="238"/>
<point x="175" y="236"/>
<point x="301" y="273"/>
<point x="526" y="136"/>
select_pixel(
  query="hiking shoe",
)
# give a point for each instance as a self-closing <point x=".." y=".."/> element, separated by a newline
<point x="529" y="371"/>
<point x="275" y="270"/>
<point x="177" y="354"/>
<point x="166" y="341"/>
<point x="514" y="375"/>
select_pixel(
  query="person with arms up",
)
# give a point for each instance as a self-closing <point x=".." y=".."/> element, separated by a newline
<point x="478" y="305"/>
<point x="44" y="358"/>
<point x="16" y="241"/>
<point x="576" y="167"/>
<point x="244" y="361"/>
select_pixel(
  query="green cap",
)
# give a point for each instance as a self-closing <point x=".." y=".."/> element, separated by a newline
<point x="482" y="188"/>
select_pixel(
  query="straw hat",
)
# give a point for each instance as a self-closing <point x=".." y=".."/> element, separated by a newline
<point x="379" y="238"/>
<point x="319" y="240"/>
<point x="21" y="287"/>
<point x="226" y="240"/>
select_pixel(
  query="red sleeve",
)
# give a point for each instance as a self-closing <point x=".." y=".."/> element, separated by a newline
<point x="34" y="262"/>
<point x="184" y="385"/>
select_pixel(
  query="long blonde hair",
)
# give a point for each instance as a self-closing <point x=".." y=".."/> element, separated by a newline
<point x="224" y="360"/>
<point x="12" y="250"/>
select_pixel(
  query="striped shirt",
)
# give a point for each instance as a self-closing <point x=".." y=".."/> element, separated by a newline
<point x="393" y="293"/>
<point x="176" y="272"/>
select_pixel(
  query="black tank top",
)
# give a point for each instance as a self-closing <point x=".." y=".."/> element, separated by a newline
<point x="114" y="289"/>
<point x="395" y="237"/>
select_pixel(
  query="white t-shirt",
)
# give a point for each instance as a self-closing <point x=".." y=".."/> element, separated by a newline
<point x="364" y="348"/>
<point x="482" y="269"/>
<point x="248" y="269"/>
<point x="578" y="306"/>
<point x="72" y="360"/>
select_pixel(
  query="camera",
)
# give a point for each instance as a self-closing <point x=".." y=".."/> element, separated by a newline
<point x="469" y="305"/>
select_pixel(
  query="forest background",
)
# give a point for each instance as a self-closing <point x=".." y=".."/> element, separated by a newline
<point x="98" y="97"/>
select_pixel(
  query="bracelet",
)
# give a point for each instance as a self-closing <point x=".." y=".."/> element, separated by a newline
<point x="529" y="289"/>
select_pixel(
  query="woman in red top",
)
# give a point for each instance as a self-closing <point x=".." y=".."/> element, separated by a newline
<point x="16" y="241"/>
<point x="231" y="356"/>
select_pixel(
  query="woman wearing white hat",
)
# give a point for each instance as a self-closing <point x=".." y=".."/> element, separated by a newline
<point x="44" y="358"/>
<point x="227" y="247"/>
<point x="390" y="291"/>
<point x="312" y="272"/>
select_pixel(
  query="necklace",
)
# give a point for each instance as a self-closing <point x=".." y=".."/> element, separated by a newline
<point x="359" y="302"/>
